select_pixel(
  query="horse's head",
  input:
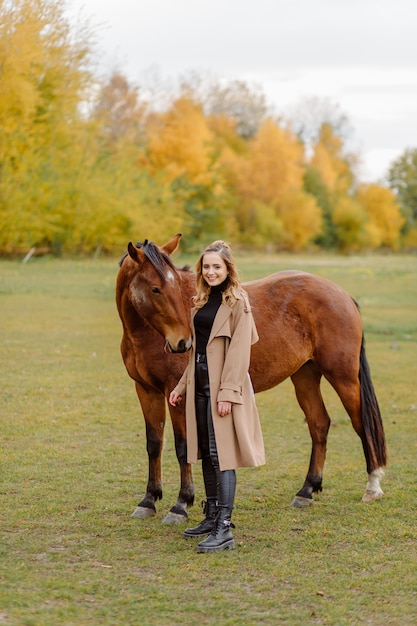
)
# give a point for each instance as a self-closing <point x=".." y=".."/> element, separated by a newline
<point x="156" y="292"/>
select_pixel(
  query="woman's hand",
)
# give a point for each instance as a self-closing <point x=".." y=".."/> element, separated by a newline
<point x="174" y="398"/>
<point x="224" y="408"/>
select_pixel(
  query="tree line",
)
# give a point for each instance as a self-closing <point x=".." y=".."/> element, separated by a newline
<point x="88" y="164"/>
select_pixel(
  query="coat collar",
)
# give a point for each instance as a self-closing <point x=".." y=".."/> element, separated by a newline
<point x="222" y="315"/>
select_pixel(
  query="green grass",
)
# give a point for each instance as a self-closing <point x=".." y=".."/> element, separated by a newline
<point x="73" y="467"/>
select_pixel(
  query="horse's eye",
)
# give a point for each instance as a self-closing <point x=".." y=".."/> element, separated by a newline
<point x="155" y="290"/>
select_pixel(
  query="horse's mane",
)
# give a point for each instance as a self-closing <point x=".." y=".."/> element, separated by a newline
<point x="156" y="257"/>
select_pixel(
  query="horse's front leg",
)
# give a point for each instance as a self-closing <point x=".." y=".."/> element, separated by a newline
<point x="307" y="388"/>
<point x="178" y="512"/>
<point x="153" y="408"/>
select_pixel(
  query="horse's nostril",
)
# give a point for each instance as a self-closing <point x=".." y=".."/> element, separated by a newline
<point x="182" y="346"/>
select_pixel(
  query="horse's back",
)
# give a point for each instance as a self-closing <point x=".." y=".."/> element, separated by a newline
<point x="277" y="276"/>
<point x="300" y="291"/>
<point x="300" y="317"/>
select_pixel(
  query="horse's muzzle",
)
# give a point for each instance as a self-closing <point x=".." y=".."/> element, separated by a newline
<point x="182" y="346"/>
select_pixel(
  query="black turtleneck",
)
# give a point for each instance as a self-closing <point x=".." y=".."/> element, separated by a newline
<point x="204" y="318"/>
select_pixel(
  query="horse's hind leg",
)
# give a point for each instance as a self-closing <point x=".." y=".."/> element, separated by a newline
<point x="362" y="408"/>
<point x="153" y="408"/>
<point x="307" y="388"/>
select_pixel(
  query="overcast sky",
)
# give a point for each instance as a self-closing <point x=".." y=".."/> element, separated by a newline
<point x="359" y="54"/>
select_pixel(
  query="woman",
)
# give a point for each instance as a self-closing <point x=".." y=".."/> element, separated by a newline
<point x="223" y="427"/>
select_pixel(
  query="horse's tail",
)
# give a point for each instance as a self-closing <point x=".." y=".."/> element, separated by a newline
<point x="374" y="436"/>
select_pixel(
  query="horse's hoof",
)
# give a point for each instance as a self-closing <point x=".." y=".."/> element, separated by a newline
<point x="142" y="512"/>
<point x="300" y="502"/>
<point x="371" y="495"/>
<point x="174" y="518"/>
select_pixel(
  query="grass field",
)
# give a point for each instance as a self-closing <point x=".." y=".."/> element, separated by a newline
<point x="73" y="467"/>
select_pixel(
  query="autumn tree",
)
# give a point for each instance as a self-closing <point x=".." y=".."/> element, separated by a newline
<point x="301" y="218"/>
<point x="384" y="219"/>
<point x="329" y="160"/>
<point x="350" y="219"/>
<point x="314" y="186"/>
<point x="42" y="81"/>
<point x="179" y="141"/>
<point x="265" y="179"/>
<point x="245" y="104"/>
<point x="120" y="112"/>
<point x="329" y="177"/>
<point x="238" y="100"/>
<point x="402" y="178"/>
<point x="86" y="164"/>
<point x="308" y="117"/>
<point x="180" y="148"/>
<point x="274" y="164"/>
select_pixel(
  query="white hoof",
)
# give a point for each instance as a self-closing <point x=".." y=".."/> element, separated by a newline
<point x="142" y="512"/>
<point x="300" y="502"/>
<point x="370" y="495"/>
<point x="373" y="488"/>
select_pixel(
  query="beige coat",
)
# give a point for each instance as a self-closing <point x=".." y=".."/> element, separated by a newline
<point x="238" y="435"/>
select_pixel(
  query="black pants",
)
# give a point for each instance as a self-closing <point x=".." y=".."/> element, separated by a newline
<point x="220" y="485"/>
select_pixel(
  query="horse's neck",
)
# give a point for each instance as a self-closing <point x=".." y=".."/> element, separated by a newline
<point x="188" y="286"/>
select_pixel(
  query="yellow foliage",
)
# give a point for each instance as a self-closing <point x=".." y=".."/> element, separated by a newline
<point x="384" y="215"/>
<point x="41" y="81"/>
<point x="41" y="68"/>
<point x="328" y="159"/>
<point x="410" y="240"/>
<point x="350" y="220"/>
<point x="259" y="226"/>
<point x="225" y="136"/>
<point x="273" y="165"/>
<point x="75" y="182"/>
<point x="155" y="213"/>
<point x="18" y="93"/>
<point x="179" y="142"/>
<point x="301" y="218"/>
<point x="322" y="161"/>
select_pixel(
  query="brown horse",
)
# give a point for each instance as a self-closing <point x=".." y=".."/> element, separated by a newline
<point x="308" y="328"/>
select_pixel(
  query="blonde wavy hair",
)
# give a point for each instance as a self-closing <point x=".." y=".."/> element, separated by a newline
<point x="234" y="288"/>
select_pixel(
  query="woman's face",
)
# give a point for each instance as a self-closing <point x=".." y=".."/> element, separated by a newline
<point x="213" y="269"/>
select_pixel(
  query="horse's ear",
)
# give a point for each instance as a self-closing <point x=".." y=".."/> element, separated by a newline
<point x="134" y="252"/>
<point x="172" y="244"/>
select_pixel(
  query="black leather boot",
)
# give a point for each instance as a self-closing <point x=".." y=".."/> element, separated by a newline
<point x="206" y="526"/>
<point x="221" y="537"/>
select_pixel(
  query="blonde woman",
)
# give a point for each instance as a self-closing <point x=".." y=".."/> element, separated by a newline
<point x="223" y="427"/>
